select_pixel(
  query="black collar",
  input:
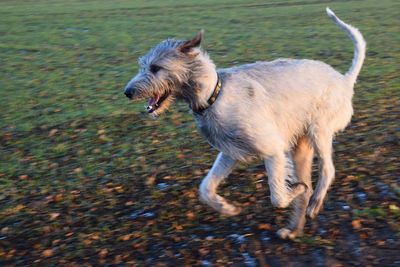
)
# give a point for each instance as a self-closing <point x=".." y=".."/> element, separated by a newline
<point x="213" y="97"/>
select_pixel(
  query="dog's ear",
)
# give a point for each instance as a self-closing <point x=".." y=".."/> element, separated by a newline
<point x="187" y="46"/>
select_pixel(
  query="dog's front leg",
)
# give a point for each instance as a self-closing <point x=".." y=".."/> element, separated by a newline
<point x="223" y="165"/>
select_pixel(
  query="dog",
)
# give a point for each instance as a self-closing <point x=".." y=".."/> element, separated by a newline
<point x="281" y="111"/>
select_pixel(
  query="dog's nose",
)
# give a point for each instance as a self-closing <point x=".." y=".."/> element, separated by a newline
<point x="128" y="93"/>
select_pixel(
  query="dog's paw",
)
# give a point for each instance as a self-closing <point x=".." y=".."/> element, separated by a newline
<point x="285" y="233"/>
<point x="219" y="204"/>
<point x="314" y="207"/>
<point x="230" y="210"/>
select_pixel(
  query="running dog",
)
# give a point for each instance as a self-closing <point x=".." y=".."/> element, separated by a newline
<point x="280" y="111"/>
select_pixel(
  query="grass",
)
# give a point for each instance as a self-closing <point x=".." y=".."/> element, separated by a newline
<point x="77" y="159"/>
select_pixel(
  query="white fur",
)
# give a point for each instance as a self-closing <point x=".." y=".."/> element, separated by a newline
<point x="275" y="111"/>
<point x="271" y="105"/>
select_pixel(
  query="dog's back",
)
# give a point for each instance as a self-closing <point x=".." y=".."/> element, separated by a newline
<point x="282" y="99"/>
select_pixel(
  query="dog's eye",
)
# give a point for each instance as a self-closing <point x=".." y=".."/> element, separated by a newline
<point x="154" y="68"/>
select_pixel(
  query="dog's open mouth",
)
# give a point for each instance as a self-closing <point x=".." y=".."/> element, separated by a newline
<point x="156" y="102"/>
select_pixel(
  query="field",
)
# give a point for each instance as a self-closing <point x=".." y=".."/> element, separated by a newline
<point x="86" y="178"/>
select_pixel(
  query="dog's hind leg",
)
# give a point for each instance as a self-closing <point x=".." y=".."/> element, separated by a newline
<point x="281" y="194"/>
<point x="223" y="165"/>
<point x="322" y="142"/>
<point x="303" y="156"/>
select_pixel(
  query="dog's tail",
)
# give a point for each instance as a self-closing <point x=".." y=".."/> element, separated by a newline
<point x="359" y="46"/>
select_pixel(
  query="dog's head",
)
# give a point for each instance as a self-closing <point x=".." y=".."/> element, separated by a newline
<point x="166" y="72"/>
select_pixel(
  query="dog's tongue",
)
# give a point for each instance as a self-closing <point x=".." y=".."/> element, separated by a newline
<point x="154" y="100"/>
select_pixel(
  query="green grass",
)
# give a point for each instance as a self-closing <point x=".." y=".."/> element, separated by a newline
<point x="67" y="130"/>
<point x="65" y="61"/>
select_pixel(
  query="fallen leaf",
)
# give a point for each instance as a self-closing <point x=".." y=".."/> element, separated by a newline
<point x="87" y="242"/>
<point x="54" y="215"/>
<point x="47" y="253"/>
<point x="23" y="177"/>
<point x="151" y="180"/>
<point x="53" y="132"/>
<point x="190" y="215"/>
<point x="394" y="208"/>
<point x="264" y="226"/>
<point x="129" y="203"/>
<point x="356" y="224"/>
<point x="204" y="251"/>
<point x="103" y="253"/>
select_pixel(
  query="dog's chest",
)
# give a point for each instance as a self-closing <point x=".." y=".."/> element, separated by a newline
<point x="228" y="137"/>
